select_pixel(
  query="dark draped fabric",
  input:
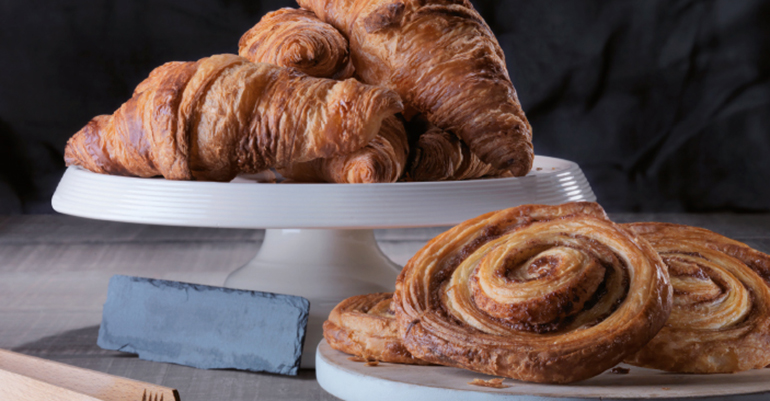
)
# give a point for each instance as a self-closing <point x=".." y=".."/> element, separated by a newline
<point x="664" y="104"/>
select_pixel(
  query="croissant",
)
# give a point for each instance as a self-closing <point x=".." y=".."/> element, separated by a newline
<point x="364" y="325"/>
<point x="222" y="115"/>
<point x="297" y="38"/>
<point x="439" y="155"/>
<point x="551" y="294"/>
<point x="720" y="322"/>
<point x="444" y="61"/>
<point x="382" y="160"/>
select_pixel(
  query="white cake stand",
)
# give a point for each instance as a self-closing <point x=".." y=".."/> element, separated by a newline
<point x="319" y="242"/>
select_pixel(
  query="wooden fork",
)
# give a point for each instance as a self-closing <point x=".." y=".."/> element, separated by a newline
<point x="24" y="377"/>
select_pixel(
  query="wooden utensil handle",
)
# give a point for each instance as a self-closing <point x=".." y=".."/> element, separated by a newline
<point x="30" y="376"/>
<point x="16" y="387"/>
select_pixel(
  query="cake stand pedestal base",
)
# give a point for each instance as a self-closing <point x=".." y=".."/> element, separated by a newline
<point x="323" y="265"/>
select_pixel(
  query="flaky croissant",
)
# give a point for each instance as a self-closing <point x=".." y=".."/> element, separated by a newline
<point x="439" y="155"/>
<point x="382" y="160"/>
<point x="364" y="325"/>
<point x="297" y="38"/>
<point x="222" y="115"/>
<point x="720" y="322"/>
<point x="539" y="293"/>
<point x="444" y="61"/>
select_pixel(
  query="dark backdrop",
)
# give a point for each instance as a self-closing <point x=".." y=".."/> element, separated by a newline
<point x="665" y="104"/>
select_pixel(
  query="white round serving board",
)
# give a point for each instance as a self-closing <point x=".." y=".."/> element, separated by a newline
<point x="354" y="381"/>
<point x="245" y="204"/>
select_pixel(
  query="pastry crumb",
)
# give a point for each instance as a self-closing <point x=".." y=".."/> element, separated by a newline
<point x="666" y="388"/>
<point x="620" y="371"/>
<point x="367" y="361"/>
<point x="539" y="169"/>
<point x="494" y="383"/>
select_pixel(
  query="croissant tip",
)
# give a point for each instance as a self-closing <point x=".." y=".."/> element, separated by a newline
<point x="84" y="148"/>
<point x="395" y="104"/>
<point x="69" y="156"/>
<point x="371" y="173"/>
<point x="71" y="153"/>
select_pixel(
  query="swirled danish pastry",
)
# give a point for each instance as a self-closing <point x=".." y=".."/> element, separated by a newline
<point x="364" y="326"/>
<point x="720" y="321"/>
<point x="550" y="294"/>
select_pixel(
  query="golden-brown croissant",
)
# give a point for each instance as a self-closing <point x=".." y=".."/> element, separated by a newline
<point x="382" y="160"/>
<point x="720" y="322"/>
<point x="444" y="61"/>
<point x="297" y="38"/>
<point x="364" y="325"/>
<point x="221" y="115"/>
<point x="439" y="155"/>
<point x="539" y="293"/>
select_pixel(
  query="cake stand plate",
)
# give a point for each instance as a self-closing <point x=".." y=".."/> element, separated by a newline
<point x="354" y="381"/>
<point x="319" y="242"/>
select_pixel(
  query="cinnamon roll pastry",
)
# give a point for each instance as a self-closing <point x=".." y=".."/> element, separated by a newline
<point x="223" y="115"/>
<point x="551" y="294"/>
<point x="364" y="325"/>
<point x="383" y="159"/>
<point x="720" y="322"/>
<point x="440" y="155"/>
<point x="296" y="38"/>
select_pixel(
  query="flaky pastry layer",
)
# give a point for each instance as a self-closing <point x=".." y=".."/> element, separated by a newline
<point x="364" y="326"/>
<point x="383" y="159"/>
<point x="438" y="155"/>
<point x="296" y="38"/>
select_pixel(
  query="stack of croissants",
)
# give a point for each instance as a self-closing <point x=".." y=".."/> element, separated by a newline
<point x="557" y="294"/>
<point x="342" y="91"/>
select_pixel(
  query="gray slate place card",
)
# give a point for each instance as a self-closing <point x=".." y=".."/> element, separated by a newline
<point x="204" y="327"/>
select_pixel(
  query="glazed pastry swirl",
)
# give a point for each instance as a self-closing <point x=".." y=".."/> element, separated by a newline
<point x="720" y="322"/>
<point x="364" y="325"/>
<point x="539" y="293"/>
